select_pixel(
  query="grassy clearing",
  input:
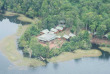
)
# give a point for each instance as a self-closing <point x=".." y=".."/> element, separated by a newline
<point x="77" y="54"/>
<point x="10" y="14"/>
<point x="105" y="49"/>
<point x="21" y="17"/>
<point x="8" y="47"/>
<point x="26" y="19"/>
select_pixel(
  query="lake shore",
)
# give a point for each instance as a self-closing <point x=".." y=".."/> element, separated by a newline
<point x="8" y="48"/>
<point x="76" y="55"/>
<point x="107" y="49"/>
<point x="22" y="17"/>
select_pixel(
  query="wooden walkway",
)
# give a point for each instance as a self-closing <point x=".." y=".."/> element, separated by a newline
<point x="100" y="41"/>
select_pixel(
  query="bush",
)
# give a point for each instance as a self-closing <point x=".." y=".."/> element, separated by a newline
<point x="54" y="52"/>
<point x="109" y="35"/>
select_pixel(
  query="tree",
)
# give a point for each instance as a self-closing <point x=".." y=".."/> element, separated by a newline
<point x="108" y="35"/>
<point x="93" y="27"/>
<point x="31" y="13"/>
<point x="37" y="49"/>
<point x="101" y="30"/>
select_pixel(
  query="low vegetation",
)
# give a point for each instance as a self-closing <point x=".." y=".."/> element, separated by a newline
<point x="107" y="49"/>
<point x="8" y="47"/>
<point x="75" y="55"/>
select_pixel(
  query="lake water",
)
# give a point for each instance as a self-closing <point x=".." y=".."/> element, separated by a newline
<point x="98" y="65"/>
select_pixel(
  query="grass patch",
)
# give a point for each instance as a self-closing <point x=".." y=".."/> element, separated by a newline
<point x="7" y="13"/>
<point x="8" y="47"/>
<point x="65" y="56"/>
<point x="105" y="49"/>
<point x="22" y="17"/>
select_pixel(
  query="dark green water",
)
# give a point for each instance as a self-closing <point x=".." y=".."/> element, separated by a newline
<point x="98" y="65"/>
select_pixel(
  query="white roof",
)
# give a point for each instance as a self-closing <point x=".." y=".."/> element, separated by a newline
<point x="59" y="28"/>
<point x="58" y="36"/>
<point x="51" y="32"/>
<point x="62" y="25"/>
<point x="95" y="33"/>
<point x="47" y="37"/>
<point x="54" y="30"/>
<point x="45" y="31"/>
<point x="72" y="35"/>
<point x="106" y="35"/>
<point x="89" y="32"/>
<point x="66" y="36"/>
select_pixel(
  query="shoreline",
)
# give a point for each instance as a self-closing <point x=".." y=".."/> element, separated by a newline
<point x="66" y="56"/>
<point x="21" y="17"/>
<point x="8" y="48"/>
<point x="106" y="49"/>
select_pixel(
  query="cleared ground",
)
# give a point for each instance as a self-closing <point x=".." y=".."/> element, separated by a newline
<point x="57" y="43"/>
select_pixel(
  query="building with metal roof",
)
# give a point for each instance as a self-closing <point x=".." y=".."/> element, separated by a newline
<point x="59" y="28"/>
<point x="62" y="25"/>
<point x="106" y="35"/>
<point x="51" y="32"/>
<point x="72" y="35"/>
<point x="89" y="32"/>
<point x="47" y="37"/>
<point x="54" y="30"/>
<point x="58" y="36"/>
<point x="45" y="31"/>
<point x="66" y="36"/>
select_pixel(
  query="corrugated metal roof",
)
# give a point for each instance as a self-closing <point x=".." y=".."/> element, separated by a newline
<point x="62" y="25"/>
<point x="72" y="35"/>
<point x="106" y="35"/>
<point x="47" y="37"/>
<point x="45" y="31"/>
<point x="66" y="36"/>
<point x="89" y="32"/>
<point x="59" y="28"/>
<point x="58" y="36"/>
<point x="54" y="30"/>
<point x="51" y="32"/>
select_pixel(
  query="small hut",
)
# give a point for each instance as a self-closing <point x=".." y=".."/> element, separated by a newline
<point x="45" y="31"/>
<point x="63" y="26"/>
<point x="54" y="30"/>
<point x="47" y="37"/>
<point x="62" y="22"/>
<point x="59" y="28"/>
<point x="66" y="37"/>
<point x="89" y="32"/>
<point x="51" y="32"/>
<point x="59" y="37"/>
<point x="72" y="35"/>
